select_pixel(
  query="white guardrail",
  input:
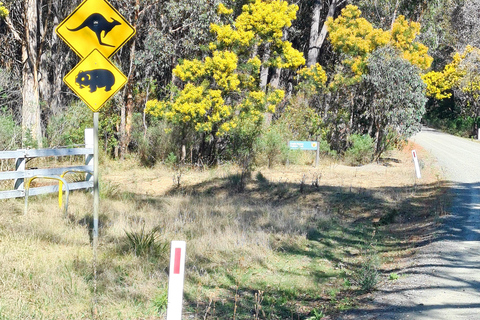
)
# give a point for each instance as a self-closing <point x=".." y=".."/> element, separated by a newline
<point x="23" y="175"/>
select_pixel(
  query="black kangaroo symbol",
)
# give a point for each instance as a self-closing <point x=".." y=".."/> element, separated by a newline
<point x="97" y="23"/>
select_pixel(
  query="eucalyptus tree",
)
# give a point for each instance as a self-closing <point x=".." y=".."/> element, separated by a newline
<point x="395" y="96"/>
<point x="32" y="50"/>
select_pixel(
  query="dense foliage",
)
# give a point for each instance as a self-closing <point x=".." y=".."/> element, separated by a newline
<point x="212" y="77"/>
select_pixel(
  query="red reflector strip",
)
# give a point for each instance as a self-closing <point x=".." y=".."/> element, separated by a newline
<point x="176" y="263"/>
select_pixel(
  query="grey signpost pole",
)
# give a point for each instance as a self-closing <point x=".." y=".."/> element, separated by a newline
<point x="317" y="158"/>
<point x="96" y="202"/>
<point x="96" y="194"/>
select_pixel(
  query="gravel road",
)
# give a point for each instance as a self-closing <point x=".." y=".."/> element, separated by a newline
<point x="443" y="280"/>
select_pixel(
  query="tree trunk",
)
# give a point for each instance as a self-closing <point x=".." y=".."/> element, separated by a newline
<point x="313" y="50"/>
<point x="126" y="116"/>
<point x="31" y="120"/>
<point x="264" y="68"/>
<point x="394" y="15"/>
<point x="56" y="100"/>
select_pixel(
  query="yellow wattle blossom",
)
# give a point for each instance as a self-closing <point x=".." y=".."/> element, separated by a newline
<point x="190" y="70"/>
<point x="255" y="62"/>
<point x="403" y="38"/>
<point x="292" y="58"/>
<point x="266" y="18"/>
<point x="222" y="90"/>
<point x="225" y="34"/>
<point x="3" y="11"/>
<point x="357" y="38"/>
<point x="221" y="9"/>
<point x="222" y="66"/>
<point x="313" y="77"/>
<point x="440" y="84"/>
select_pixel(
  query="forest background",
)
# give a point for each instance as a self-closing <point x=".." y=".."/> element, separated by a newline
<point x="212" y="81"/>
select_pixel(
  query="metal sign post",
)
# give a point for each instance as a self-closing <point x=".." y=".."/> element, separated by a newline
<point x="96" y="203"/>
<point x="96" y="193"/>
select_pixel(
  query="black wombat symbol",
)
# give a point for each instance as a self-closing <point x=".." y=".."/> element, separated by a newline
<point x="95" y="79"/>
<point x="97" y="23"/>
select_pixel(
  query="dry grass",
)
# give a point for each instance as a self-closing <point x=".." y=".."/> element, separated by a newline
<point x="286" y="245"/>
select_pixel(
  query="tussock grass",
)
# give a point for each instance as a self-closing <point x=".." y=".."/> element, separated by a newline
<point x="289" y="243"/>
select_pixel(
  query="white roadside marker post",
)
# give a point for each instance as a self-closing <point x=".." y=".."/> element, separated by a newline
<point x="176" y="279"/>
<point x="417" y="167"/>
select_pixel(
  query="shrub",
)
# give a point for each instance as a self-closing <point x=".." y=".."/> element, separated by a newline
<point x="145" y="243"/>
<point x="367" y="276"/>
<point x="360" y="151"/>
<point x="10" y="132"/>
<point x="154" y="144"/>
<point x="325" y="150"/>
<point x="272" y="145"/>
<point x="68" y="127"/>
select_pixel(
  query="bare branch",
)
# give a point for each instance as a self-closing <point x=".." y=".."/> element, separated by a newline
<point x="10" y="26"/>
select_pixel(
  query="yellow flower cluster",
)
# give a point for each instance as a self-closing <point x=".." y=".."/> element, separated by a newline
<point x="3" y="11"/>
<point x="256" y="63"/>
<point x="313" y="77"/>
<point x="274" y="98"/>
<point x="291" y="58"/>
<point x="201" y="107"/>
<point x="403" y="38"/>
<point x="266" y="18"/>
<point x="190" y="70"/>
<point x="356" y="37"/>
<point x="201" y="104"/>
<point x="222" y="66"/>
<point x="221" y="9"/>
<point x="227" y="36"/>
<point x="440" y="84"/>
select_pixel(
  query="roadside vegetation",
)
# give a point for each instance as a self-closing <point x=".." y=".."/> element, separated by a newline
<point x="291" y="241"/>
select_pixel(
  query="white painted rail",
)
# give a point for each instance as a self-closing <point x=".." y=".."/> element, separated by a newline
<point x="21" y="172"/>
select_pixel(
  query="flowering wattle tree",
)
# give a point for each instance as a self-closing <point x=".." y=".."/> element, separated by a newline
<point x="376" y="88"/>
<point x="356" y="38"/>
<point x="228" y="88"/>
<point x="462" y="77"/>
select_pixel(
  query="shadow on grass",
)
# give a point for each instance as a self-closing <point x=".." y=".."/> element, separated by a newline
<point x="343" y="223"/>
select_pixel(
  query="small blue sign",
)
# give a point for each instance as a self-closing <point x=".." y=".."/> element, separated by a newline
<point x="303" y="145"/>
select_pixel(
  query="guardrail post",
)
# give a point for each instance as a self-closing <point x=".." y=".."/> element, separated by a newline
<point x="89" y="141"/>
<point x="20" y="166"/>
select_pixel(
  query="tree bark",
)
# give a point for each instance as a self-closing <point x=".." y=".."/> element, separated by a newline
<point x="264" y="68"/>
<point x="126" y="116"/>
<point x="313" y="50"/>
<point x="31" y="120"/>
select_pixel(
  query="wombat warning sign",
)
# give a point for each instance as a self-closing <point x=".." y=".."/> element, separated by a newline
<point x="95" y="80"/>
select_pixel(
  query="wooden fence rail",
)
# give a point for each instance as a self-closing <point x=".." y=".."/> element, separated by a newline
<point x="22" y="173"/>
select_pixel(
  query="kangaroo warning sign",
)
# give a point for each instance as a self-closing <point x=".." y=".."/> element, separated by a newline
<point x="95" y="24"/>
<point x="95" y="80"/>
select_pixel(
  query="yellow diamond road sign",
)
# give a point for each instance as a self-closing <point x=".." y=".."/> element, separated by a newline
<point x="95" y="80"/>
<point x="95" y="24"/>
